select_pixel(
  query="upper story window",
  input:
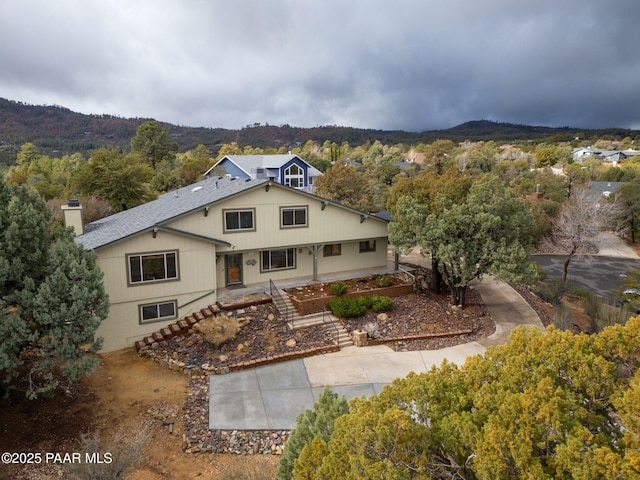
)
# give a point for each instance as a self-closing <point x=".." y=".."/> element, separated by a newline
<point x="238" y="220"/>
<point x="294" y="176"/>
<point x="291" y="217"/>
<point x="153" y="267"/>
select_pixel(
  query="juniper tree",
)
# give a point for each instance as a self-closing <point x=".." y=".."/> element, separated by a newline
<point x="52" y="298"/>
<point x="490" y="232"/>
<point x="543" y="406"/>
<point x="316" y="423"/>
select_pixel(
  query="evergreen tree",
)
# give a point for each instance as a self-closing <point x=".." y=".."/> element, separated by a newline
<point x="153" y="144"/>
<point x="52" y="298"/>
<point x="311" y="424"/>
<point x="551" y="405"/>
<point x="490" y="232"/>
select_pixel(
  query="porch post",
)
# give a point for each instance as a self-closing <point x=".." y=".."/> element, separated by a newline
<point x="314" y="249"/>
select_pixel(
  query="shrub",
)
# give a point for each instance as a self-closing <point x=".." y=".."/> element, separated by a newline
<point x="382" y="281"/>
<point x="339" y="288"/>
<point x="347" y="307"/>
<point x="220" y="329"/>
<point x="552" y="292"/>
<point x="124" y="449"/>
<point x="367" y="301"/>
<point x="381" y="303"/>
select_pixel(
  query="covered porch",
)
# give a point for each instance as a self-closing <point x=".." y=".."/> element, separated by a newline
<point x="234" y="294"/>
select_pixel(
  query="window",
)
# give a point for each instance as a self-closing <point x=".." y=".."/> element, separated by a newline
<point x="236" y="220"/>
<point x="153" y="267"/>
<point x="294" y="176"/>
<point x="293" y="217"/>
<point x="158" y="311"/>
<point x="278" y="259"/>
<point x="332" y="250"/>
<point x="368" y="246"/>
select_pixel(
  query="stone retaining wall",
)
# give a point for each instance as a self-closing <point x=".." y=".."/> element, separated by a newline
<point x="176" y="365"/>
<point x="306" y="307"/>
<point x="417" y="336"/>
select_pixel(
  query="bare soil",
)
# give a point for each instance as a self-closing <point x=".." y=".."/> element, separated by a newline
<point x="124" y="392"/>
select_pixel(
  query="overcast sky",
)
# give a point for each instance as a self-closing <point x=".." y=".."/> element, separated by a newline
<point x="387" y="64"/>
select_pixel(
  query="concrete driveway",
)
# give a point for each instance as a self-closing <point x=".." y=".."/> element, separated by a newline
<point x="271" y="397"/>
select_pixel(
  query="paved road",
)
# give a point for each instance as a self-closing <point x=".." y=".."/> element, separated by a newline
<point x="270" y="397"/>
<point x="602" y="275"/>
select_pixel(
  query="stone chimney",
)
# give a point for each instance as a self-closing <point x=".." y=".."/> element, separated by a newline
<point x="72" y="212"/>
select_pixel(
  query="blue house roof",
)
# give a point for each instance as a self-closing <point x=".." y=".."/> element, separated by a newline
<point x="249" y="163"/>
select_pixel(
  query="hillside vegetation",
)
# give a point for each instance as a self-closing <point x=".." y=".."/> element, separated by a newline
<point x="58" y="131"/>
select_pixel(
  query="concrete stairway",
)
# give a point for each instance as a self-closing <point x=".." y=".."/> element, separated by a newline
<point x="333" y="326"/>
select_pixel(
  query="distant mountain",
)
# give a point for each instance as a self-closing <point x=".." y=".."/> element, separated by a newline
<point x="59" y="131"/>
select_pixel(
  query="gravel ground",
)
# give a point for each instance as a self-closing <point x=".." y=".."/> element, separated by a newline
<point x="265" y="332"/>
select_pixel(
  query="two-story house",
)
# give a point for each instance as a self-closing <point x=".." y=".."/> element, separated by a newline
<point x="289" y="170"/>
<point x="169" y="257"/>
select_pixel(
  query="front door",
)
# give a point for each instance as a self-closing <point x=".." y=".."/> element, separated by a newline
<point x="234" y="268"/>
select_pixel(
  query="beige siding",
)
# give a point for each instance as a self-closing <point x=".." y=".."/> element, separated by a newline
<point x="201" y="272"/>
<point x="196" y="264"/>
<point x="331" y="225"/>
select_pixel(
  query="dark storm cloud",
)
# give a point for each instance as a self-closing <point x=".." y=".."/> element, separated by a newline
<point x="409" y="65"/>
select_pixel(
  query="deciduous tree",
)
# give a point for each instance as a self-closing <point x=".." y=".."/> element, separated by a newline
<point x="118" y="178"/>
<point x="582" y="221"/>
<point x="342" y="183"/>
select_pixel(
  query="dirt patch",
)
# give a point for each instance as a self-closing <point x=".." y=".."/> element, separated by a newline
<point x="125" y="390"/>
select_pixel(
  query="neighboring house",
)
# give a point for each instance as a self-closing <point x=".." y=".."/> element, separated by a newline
<point x="610" y="156"/>
<point x="289" y="170"/>
<point x="604" y="188"/>
<point x="169" y="257"/>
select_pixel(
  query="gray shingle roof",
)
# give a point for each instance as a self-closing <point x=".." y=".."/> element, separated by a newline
<point x="166" y="207"/>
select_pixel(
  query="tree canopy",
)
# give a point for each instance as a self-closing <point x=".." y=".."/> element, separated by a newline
<point x="342" y="183"/>
<point x="153" y="144"/>
<point x="543" y="406"/>
<point x="316" y="423"/>
<point x="120" y="179"/>
<point x="51" y="298"/>
<point x="490" y="232"/>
